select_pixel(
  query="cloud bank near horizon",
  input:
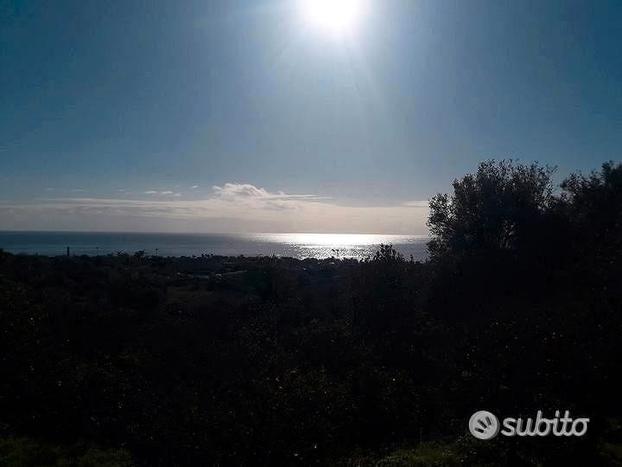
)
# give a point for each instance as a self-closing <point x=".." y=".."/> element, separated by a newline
<point x="232" y="207"/>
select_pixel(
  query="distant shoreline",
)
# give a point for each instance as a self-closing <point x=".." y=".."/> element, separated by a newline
<point x="299" y="246"/>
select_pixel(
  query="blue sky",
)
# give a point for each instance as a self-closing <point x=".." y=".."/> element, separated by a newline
<point x="238" y="115"/>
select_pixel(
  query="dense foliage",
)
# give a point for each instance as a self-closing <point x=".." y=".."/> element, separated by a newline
<point x="121" y="360"/>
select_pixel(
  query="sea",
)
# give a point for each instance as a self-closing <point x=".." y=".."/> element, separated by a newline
<point x="295" y="245"/>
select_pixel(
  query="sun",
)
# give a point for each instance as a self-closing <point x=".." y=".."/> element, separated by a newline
<point x="335" y="17"/>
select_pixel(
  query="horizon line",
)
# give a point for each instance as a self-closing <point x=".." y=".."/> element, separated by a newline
<point x="207" y="233"/>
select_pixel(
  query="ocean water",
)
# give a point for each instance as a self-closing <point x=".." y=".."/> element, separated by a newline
<point x="296" y="245"/>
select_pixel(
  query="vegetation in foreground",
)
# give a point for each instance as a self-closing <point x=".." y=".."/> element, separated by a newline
<point x="134" y="360"/>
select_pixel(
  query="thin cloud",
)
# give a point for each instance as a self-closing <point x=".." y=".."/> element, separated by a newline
<point x="232" y="207"/>
<point x="161" y="193"/>
<point x="236" y="191"/>
<point x="417" y="204"/>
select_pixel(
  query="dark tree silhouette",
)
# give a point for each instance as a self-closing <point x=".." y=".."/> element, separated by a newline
<point x="490" y="210"/>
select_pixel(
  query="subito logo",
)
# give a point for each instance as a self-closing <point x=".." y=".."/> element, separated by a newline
<point x="483" y="425"/>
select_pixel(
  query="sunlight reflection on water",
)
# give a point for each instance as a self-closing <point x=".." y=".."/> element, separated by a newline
<point x="359" y="246"/>
<point x="296" y="245"/>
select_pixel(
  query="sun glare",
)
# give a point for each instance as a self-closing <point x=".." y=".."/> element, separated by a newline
<point x="333" y="16"/>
